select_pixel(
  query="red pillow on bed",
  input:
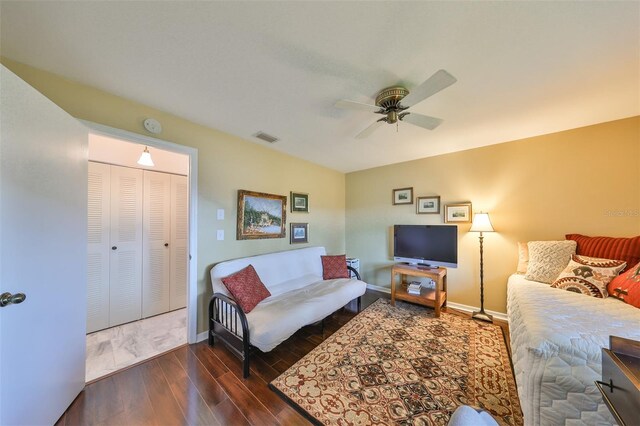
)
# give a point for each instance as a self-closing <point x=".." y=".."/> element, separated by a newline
<point x="627" y="249"/>
<point x="334" y="267"/>
<point x="626" y="286"/>
<point x="246" y="288"/>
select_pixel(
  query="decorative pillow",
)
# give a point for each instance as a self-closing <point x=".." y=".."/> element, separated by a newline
<point x="246" y="288"/>
<point x="589" y="275"/>
<point x="548" y="258"/>
<point x="626" y="287"/>
<point x="334" y="267"/>
<point x="523" y="258"/>
<point x="627" y="249"/>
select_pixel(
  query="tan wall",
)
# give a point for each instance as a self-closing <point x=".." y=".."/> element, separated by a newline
<point x="537" y="188"/>
<point x="585" y="181"/>
<point x="225" y="164"/>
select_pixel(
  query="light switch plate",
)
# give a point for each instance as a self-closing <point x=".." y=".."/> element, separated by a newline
<point x="220" y="214"/>
<point x="220" y="234"/>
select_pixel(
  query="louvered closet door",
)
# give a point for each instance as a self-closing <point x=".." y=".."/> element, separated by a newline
<point x="125" y="295"/>
<point x="99" y="195"/>
<point x="179" y="241"/>
<point x="156" y="238"/>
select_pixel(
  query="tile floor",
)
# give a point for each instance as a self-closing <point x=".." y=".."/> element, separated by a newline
<point x="118" y="347"/>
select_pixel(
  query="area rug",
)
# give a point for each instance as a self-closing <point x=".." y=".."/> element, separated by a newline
<point x="400" y="365"/>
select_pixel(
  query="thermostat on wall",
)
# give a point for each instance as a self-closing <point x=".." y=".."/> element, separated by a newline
<point x="152" y="125"/>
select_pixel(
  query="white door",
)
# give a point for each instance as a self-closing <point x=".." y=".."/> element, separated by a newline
<point x="125" y="283"/>
<point x="179" y="243"/>
<point x="43" y="254"/>
<point x="99" y="246"/>
<point x="155" y="247"/>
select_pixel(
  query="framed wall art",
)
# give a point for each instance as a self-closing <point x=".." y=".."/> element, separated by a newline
<point x="261" y="215"/>
<point x="299" y="202"/>
<point x="402" y="196"/>
<point x="428" y="205"/>
<point x="457" y="213"/>
<point x="299" y="233"/>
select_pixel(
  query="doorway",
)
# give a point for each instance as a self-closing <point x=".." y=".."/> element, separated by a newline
<point x="130" y="339"/>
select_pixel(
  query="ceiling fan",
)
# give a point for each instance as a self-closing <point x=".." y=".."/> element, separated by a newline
<point x="388" y="103"/>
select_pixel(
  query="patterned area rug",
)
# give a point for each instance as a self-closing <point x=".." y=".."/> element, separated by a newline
<point x="400" y="365"/>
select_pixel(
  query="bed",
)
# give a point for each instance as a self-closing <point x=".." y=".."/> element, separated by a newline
<point x="556" y="340"/>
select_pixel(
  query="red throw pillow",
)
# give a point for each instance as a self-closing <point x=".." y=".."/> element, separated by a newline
<point x="246" y="288"/>
<point x="626" y="287"/>
<point x="334" y="267"/>
<point x="627" y="249"/>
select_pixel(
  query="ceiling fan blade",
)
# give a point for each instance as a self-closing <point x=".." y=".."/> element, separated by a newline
<point x="422" y="120"/>
<point x="345" y="104"/>
<point x="372" y="128"/>
<point x="437" y="82"/>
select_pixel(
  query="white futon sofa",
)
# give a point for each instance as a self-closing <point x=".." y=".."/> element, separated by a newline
<point x="299" y="297"/>
<point x="557" y="338"/>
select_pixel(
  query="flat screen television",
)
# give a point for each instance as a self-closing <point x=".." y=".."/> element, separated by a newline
<point x="426" y="245"/>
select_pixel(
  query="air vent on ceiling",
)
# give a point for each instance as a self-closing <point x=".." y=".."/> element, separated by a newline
<point x="266" y="137"/>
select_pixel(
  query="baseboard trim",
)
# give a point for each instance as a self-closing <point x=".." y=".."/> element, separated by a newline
<point x="202" y="336"/>
<point x="458" y="306"/>
<point x="378" y="288"/>
<point x="470" y="309"/>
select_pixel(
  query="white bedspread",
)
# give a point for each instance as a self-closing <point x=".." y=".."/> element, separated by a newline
<point x="556" y="341"/>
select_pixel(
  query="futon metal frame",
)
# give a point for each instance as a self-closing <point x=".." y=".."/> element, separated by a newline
<point x="224" y="313"/>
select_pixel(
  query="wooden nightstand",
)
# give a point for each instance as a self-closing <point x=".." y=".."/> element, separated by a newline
<point x="435" y="298"/>
<point x="620" y="385"/>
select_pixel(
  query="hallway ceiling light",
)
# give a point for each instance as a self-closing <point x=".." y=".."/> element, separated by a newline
<point x="145" y="158"/>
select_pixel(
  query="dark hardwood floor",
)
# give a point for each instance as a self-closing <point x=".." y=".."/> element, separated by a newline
<point x="199" y="384"/>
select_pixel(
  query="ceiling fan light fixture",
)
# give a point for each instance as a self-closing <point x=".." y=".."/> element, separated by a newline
<point x="391" y="97"/>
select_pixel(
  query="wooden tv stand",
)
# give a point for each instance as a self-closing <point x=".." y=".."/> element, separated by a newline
<point x="434" y="298"/>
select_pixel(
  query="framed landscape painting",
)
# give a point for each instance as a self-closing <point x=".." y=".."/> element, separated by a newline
<point x="457" y="213"/>
<point x="261" y="215"/>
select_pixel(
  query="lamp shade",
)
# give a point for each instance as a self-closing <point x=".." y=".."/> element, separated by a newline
<point x="481" y="223"/>
<point x="145" y="158"/>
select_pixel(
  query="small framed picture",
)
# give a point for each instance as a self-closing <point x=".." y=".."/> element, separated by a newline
<point x="299" y="233"/>
<point x="428" y="205"/>
<point x="403" y="196"/>
<point x="457" y="213"/>
<point x="299" y="202"/>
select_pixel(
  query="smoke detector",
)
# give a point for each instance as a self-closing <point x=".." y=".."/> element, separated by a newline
<point x="152" y="125"/>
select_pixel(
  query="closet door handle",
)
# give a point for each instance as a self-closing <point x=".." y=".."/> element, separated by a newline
<point x="114" y="248"/>
<point x="166" y="244"/>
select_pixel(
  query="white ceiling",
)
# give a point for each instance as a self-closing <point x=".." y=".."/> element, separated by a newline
<point x="523" y="68"/>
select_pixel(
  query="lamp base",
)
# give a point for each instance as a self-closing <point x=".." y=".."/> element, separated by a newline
<point x="482" y="315"/>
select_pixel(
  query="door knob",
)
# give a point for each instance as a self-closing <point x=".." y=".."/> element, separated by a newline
<point x="8" y="299"/>
<point x="114" y="248"/>
<point x="166" y="244"/>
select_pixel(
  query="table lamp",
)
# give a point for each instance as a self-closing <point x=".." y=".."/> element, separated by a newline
<point x="481" y="223"/>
